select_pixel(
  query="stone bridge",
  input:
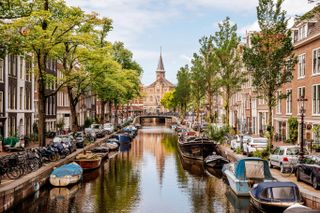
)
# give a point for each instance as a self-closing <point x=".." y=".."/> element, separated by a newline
<point x="155" y="118"/>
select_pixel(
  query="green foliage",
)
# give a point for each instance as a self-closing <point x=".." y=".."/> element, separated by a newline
<point x="238" y="150"/>
<point x="270" y="58"/>
<point x="88" y="121"/>
<point x="316" y="131"/>
<point x="263" y="154"/>
<point x="182" y="91"/>
<point x="217" y="134"/>
<point x="168" y="100"/>
<point x="228" y="54"/>
<point x="293" y="125"/>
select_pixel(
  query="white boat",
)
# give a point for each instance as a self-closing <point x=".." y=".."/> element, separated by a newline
<point x="66" y="175"/>
<point x="298" y="208"/>
<point x="246" y="172"/>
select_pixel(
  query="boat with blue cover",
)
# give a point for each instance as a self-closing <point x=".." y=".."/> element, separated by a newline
<point x="275" y="196"/>
<point x="122" y="138"/>
<point x="244" y="173"/>
<point x="66" y="174"/>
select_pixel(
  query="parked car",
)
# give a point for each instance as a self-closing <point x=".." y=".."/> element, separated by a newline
<point x="97" y="128"/>
<point x="284" y="157"/>
<point x="254" y="144"/>
<point x="235" y="143"/>
<point x="79" y="139"/>
<point x="108" y="127"/>
<point x="90" y="134"/>
<point x="67" y="141"/>
<point x="309" y="171"/>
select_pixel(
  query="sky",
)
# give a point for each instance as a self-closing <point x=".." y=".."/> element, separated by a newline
<point x="175" y="25"/>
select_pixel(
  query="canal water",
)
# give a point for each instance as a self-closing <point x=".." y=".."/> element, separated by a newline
<point x="147" y="176"/>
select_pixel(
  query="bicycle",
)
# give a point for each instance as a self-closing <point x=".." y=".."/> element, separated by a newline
<point x="288" y="170"/>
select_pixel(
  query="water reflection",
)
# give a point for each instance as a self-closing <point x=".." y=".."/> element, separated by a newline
<point x="147" y="176"/>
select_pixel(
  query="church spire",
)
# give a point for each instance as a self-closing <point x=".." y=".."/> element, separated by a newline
<point x="160" y="64"/>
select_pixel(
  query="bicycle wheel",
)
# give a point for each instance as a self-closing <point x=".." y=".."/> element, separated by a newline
<point x="288" y="171"/>
<point x="14" y="173"/>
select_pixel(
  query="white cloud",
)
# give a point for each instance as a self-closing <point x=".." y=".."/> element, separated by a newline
<point x="250" y="27"/>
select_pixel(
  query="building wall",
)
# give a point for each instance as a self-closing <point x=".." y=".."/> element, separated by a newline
<point x="18" y="101"/>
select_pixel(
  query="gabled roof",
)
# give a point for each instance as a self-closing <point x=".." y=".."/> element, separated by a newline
<point x="163" y="81"/>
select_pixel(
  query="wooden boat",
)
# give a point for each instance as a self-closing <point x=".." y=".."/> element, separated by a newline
<point x="197" y="148"/>
<point x="66" y="174"/>
<point x="112" y="144"/>
<point x="244" y="173"/>
<point x="88" y="160"/>
<point x="275" y="196"/>
<point x="101" y="151"/>
<point x="298" y="208"/>
<point x="215" y="161"/>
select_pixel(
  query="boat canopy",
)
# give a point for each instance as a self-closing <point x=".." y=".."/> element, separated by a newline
<point x="277" y="192"/>
<point x="252" y="168"/>
<point x="67" y="169"/>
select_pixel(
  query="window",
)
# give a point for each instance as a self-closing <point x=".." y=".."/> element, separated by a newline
<point x="21" y="67"/>
<point x="21" y="97"/>
<point x="1" y="69"/>
<point x="1" y="102"/>
<point x="278" y="102"/>
<point x="12" y="96"/>
<point x="289" y="102"/>
<point x="301" y="65"/>
<point x="28" y="68"/>
<point x="316" y="99"/>
<point x="303" y="32"/>
<point x="13" y="65"/>
<point x="301" y="93"/>
<point x="316" y="62"/>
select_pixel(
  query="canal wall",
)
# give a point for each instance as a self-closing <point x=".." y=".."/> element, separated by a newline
<point x="16" y="191"/>
<point x="310" y="196"/>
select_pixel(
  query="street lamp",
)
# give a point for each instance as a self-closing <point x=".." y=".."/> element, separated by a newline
<point x="301" y="101"/>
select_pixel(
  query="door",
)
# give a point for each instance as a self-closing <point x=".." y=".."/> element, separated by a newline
<point x="273" y="156"/>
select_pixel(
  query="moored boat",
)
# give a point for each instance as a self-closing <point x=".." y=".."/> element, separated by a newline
<point x="88" y="160"/>
<point x="66" y="174"/>
<point x="244" y="173"/>
<point x="197" y="148"/>
<point x="215" y="161"/>
<point x="298" y="208"/>
<point x="275" y="196"/>
<point x="101" y="151"/>
<point x="112" y="144"/>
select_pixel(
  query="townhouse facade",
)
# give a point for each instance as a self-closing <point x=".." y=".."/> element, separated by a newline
<point x="63" y="105"/>
<point x="305" y="82"/>
<point x="16" y="97"/>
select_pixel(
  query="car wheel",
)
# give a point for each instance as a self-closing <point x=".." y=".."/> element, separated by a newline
<point x="282" y="170"/>
<point x="298" y="175"/>
<point x="315" y="184"/>
<point x="270" y="164"/>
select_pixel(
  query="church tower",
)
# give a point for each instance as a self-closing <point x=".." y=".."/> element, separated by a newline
<point x="160" y="70"/>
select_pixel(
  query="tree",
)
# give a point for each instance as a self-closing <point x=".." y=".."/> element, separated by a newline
<point x="12" y="9"/>
<point x="228" y="54"/>
<point x="270" y="59"/>
<point x="39" y="33"/>
<point x="182" y="92"/>
<point x="197" y="79"/>
<point x="168" y="100"/>
<point x="210" y="69"/>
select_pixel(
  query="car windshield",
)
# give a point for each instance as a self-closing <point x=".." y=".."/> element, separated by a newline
<point x="57" y="140"/>
<point x="95" y="126"/>
<point x="296" y="151"/>
<point x="312" y="160"/>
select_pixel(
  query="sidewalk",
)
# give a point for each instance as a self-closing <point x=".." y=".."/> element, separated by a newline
<point x="311" y="196"/>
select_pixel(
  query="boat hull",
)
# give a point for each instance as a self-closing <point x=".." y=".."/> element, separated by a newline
<point x="218" y="163"/>
<point x="271" y="206"/>
<point x="240" y="187"/>
<point x="196" y="150"/>
<point x="64" y="181"/>
<point x="88" y="164"/>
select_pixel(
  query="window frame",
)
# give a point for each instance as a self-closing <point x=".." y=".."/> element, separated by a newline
<point x="318" y="61"/>
<point x="303" y="65"/>
<point x="289" y="95"/>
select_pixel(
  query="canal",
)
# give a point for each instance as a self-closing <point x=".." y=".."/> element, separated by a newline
<point x="147" y="176"/>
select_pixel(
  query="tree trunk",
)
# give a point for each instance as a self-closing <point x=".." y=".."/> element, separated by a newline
<point x="73" y="105"/>
<point x="227" y="107"/>
<point x="270" y="128"/>
<point x="110" y="111"/>
<point x="198" y="112"/>
<point x="41" y="101"/>
<point x="210" y="107"/>
<point x="103" y="104"/>
<point x="116" y="114"/>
